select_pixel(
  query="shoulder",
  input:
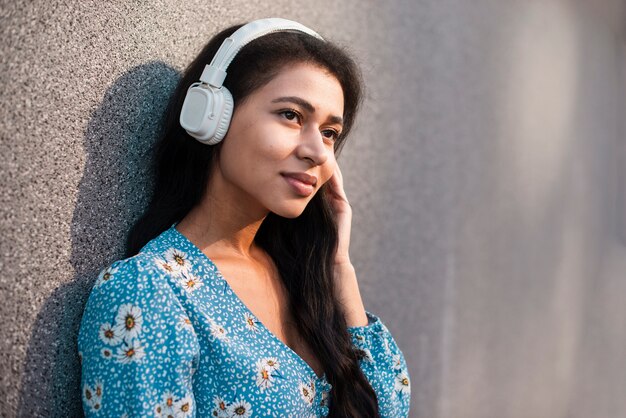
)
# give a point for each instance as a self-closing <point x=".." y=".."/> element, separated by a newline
<point x="142" y="279"/>
<point x="132" y="287"/>
<point x="127" y="272"/>
<point x="145" y="266"/>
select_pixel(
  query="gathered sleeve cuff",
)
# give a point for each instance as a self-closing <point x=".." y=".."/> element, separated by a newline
<point x="384" y="365"/>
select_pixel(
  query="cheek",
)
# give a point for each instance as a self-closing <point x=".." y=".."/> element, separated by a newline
<point x="254" y="154"/>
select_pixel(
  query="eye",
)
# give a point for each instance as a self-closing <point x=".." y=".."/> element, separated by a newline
<point x="291" y="114"/>
<point x="330" y="133"/>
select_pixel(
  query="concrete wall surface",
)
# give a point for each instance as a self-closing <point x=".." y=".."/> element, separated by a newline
<point x="487" y="175"/>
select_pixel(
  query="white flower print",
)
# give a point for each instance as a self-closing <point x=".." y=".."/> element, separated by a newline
<point x="367" y="355"/>
<point x="307" y="391"/>
<point x="397" y="361"/>
<point x="98" y="388"/>
<point x="264" y="377"/>
<point x="161" y="411"/>
<point x="364" y="354"/>
<point x="168" y="399"/>
<point x="106" y="353"/>
<point x="105" y="275"/>
<point x="221" y="407"/>
<point x="178" y="260"/>
<point x="183" y="407"/>
<point x="190" y="282"/>
<point x="271" y="363"/>
<point x="251" y="322"/>
<point x="165" y="409"/>
<point x="128" y="321"/>
<point x="219" y="332"/>
<point x="362" y="350"/>
<point x="240" y="409"/>
<point x="130" y="352"/>
<point x="184" y="323"/>
<point x="324" y="388"/>
<point x="402" y="385"/>
<point x="165" y="265"/>
<point x="109" y="335"/>
<point x="93" y="396"/>
<point x="265" y="367"/>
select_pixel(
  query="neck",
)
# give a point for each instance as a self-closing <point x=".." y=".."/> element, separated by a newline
<point x="225" y="221"/>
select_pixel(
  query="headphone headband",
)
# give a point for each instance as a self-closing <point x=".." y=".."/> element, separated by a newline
<point x="215" y="72"/>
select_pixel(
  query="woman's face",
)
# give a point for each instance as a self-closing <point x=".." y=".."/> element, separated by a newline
<point x="287" y="126"/>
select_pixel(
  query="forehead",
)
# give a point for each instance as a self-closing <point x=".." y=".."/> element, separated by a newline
<point x="309" y="82"/>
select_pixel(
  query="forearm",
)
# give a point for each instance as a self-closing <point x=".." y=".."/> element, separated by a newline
<point x="349" y="294"/>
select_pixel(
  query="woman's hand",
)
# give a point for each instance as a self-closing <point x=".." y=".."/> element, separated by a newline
<point x="346" y="284"/>
<point x="343" y="215"/>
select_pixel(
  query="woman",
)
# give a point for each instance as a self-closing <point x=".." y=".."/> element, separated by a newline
<point x="238" y="297"/>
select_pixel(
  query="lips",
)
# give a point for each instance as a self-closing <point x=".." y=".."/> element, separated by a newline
<point x="298" y="186"/>
<point x="303" y="177"/>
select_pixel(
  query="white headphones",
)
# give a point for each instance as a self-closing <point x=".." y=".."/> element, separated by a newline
<point x="208" y="105"/>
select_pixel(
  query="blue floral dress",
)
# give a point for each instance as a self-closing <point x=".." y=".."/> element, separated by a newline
<point x="163" y="334"/>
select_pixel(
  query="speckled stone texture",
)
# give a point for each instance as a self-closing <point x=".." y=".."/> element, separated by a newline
<point x="486" y="175"/>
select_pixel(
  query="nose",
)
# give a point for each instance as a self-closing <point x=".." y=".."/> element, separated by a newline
<point x="312" y="146"/>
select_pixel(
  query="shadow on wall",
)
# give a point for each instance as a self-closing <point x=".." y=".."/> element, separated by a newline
<point x="113" y="192"/>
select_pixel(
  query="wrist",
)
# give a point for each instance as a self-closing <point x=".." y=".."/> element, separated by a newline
<point x="343" y="262"/>
<point x="348" y="294"/>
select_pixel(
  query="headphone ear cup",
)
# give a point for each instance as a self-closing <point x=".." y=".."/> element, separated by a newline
<point x="225" y="117"/>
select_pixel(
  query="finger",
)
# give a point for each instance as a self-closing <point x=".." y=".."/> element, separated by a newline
<point x="338" y="174"/>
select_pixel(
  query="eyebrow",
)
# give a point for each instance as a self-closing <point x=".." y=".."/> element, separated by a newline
<point x="307" y="106"/>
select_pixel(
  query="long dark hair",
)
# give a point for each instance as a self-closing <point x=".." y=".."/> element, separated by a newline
<point x="302" y="248"/>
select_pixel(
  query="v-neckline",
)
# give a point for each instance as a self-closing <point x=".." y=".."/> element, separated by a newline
<point x="218" y="273"/>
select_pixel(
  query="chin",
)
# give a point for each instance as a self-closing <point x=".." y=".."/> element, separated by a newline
<point x="291" y="212"/>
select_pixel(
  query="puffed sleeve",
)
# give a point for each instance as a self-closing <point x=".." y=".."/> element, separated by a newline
<point x="384" y="366"/>
<point x="137" y="347"/>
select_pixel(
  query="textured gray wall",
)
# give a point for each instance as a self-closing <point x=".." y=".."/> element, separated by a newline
<point x="487" y="176"/>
